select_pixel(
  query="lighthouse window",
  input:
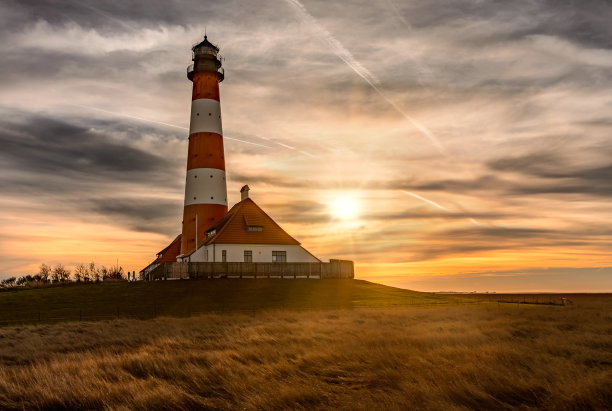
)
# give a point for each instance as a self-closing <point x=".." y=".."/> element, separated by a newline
<point x="211" y="176"/>
<point x="197" y="114"/>
<point x="210" y="114"/>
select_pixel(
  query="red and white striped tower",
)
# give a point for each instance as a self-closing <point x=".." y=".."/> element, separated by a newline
<point x="205" y="188"/>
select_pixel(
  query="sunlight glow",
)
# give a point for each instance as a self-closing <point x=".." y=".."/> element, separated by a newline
<point x="345" y="207"/>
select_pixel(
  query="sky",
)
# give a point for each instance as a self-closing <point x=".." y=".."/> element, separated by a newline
<point x="441" y="145"/>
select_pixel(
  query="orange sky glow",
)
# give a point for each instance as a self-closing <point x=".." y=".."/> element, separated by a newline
<point x="441" y="150"/>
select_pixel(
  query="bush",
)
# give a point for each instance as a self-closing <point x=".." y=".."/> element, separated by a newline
<point x="115" y="273"/>
<point x="8" y="282"/>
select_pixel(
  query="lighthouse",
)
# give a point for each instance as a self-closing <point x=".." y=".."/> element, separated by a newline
<point x="211" y="233"/>
<point x="205" y="186"/>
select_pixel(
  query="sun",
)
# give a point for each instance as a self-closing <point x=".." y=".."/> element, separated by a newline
<point x="345" y="207"/>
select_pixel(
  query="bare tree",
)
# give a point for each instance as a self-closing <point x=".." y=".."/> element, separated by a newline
<point x="60" y="273"/>
<point x="80" y="273"/>
<point x="92" y="272"/>
<point x="44" y="272"/>
<point x="103" y="272"/>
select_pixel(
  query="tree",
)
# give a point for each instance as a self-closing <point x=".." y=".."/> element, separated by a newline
<point x="44" y="272"/>
<point x="92" y="272"/>
<point x="97" y="273"/>
<point x="80" y="273"/>
<point x="60" y="273"/>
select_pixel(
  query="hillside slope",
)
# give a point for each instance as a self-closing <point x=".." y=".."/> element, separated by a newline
<point x="186" y="297"/>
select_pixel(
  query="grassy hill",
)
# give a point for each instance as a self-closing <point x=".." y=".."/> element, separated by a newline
<point x="298" y="344"/>
<point x="185" y="297"/>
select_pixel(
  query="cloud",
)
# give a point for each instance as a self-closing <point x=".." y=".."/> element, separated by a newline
<point x="154" y="215"/>
<point x="40" y="145"/>
<point x="557" y="175"/>
<point x="518" y="92"/>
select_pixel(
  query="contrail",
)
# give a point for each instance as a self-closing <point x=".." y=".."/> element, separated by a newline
<point x="247" y="142"/>
<point x="134" y="117"/>
<point x="306" y="153"/>
<point x="433" y="203"/>
<point x="166" y="124"/>
<point x="396" y="13"/>
<point x="339" y="50"/>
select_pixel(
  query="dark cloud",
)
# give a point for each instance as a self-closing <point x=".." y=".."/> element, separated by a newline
<point x="107" y="15"/>
<point x="557" y="175"/>
<point x="586" y="22"/>
<point x="472" y="240"/>
<point x="81" y="170"/>
<point x="156" y="215"/>
<point x="42" y="145"/>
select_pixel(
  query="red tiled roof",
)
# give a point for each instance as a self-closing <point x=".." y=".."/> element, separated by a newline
<point x="169" y="253"/>
<point x="233" y="228"/>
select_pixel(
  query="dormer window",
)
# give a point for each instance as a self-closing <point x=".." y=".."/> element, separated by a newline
<point x="210" y="233"/>
<point x="254" y="228"/>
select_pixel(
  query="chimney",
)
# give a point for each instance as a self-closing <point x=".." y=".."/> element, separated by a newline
<point x="244" y="192"/>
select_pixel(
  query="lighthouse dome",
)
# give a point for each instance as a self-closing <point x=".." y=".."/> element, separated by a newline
<point x="205" y="44"/>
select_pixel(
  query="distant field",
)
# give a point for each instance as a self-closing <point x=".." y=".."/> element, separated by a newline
<point x="73" y="302"/>
<point x="325" y="345"/>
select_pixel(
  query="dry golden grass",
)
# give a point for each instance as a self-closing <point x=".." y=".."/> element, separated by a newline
<point x="446" y="357"/>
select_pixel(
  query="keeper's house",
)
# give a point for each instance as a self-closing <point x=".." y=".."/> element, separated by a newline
<point x="247" y="234"/>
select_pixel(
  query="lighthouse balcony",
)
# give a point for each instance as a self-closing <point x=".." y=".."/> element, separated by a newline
<point x="190" y="70"/>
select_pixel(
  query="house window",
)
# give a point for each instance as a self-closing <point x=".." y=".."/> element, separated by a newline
<point x="224" y="256"/>
<point x="248" y="256"/>
<point x="279" y="256"/>
<point x="206" y="255"/>
<point x="255" y="228"/>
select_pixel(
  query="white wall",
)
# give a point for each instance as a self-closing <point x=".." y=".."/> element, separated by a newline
<point x="261" y="253"/>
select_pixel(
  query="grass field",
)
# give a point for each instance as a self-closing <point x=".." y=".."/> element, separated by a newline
<point x="385" y="354"/>
<point x="187" y="297"/>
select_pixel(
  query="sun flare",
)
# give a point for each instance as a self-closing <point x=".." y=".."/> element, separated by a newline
<point x="345" y="208"/>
